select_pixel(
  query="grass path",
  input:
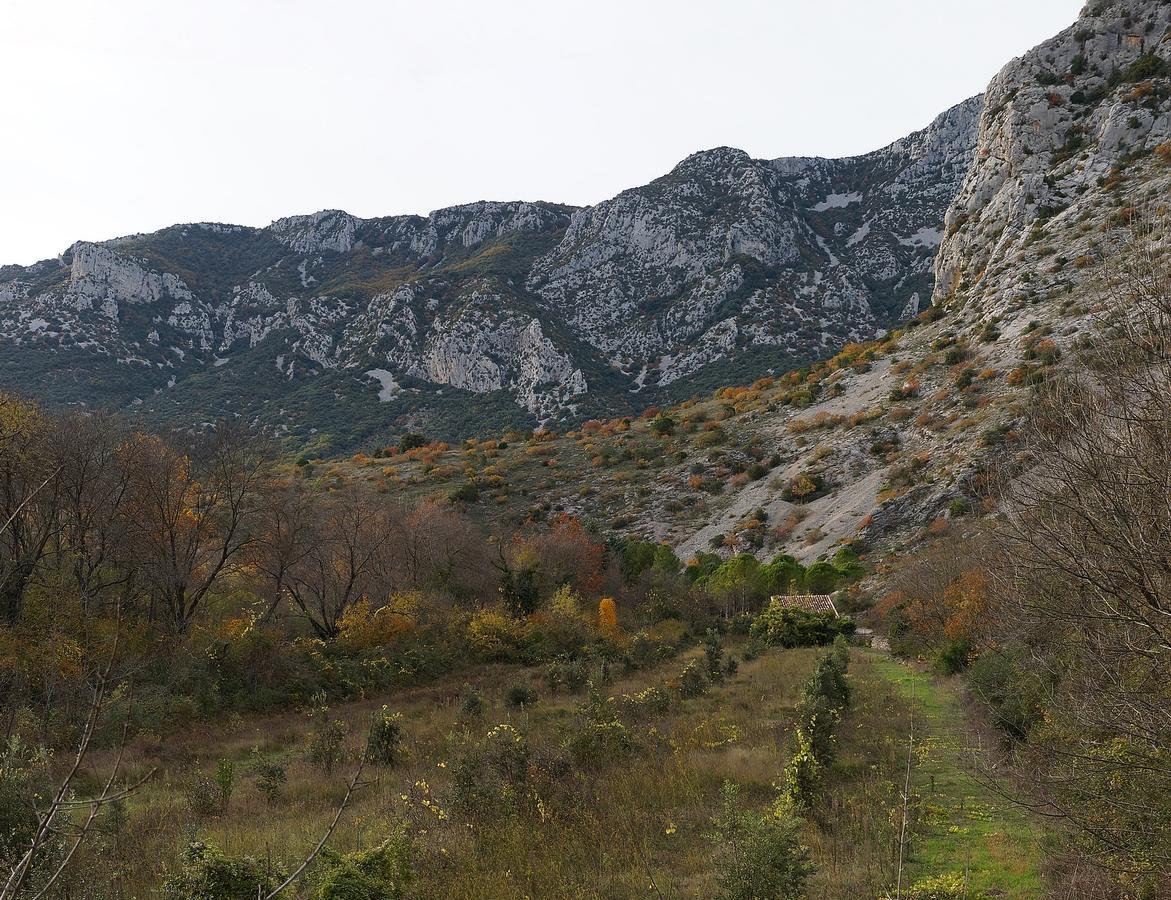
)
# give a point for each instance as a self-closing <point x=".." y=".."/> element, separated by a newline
<point x="962" y="828"/>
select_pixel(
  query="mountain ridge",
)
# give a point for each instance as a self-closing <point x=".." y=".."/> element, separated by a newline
<point x="529" y="311"/>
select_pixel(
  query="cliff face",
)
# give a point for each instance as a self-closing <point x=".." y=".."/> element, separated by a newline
<point x="1072" y="141"/>
<point x="551" y="312"/>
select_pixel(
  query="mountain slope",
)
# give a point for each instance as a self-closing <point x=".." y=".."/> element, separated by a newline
<point x="1073" y="140"/>
<point x="491" y="313"/>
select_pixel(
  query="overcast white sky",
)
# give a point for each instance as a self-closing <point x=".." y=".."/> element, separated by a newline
<point x="129" y="115"/>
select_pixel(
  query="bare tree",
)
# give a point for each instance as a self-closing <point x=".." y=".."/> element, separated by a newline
<point x="1088" y="574"/>
<point x="189" y="513"/>
<point x="29" y="508"/>
<point x="344" y="561"/>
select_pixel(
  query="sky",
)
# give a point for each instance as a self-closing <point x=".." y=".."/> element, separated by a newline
<point x="127" y="116"/>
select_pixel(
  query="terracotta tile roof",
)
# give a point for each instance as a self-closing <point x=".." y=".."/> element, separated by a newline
<point x="820" y="603"/>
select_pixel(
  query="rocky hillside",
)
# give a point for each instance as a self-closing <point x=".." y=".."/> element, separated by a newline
<point x="1074" y="142"/>
<point x="335" y="329"/>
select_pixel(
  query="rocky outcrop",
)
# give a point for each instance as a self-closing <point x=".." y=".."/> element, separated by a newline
<point x="1072" y="141"/>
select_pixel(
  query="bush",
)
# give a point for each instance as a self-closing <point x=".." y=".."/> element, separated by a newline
<point x="472" y="704"/>
<point x="803" y="774"/>
<point x="270" y="777"/>
<point x="713" y="653"/>
<point x="952" y="657"/>
<point x="1011" y="690"/>
<point x="18" y="811"/>
<point x="758" y="855"/>
<point x="520" y="695"/>
<point x="653" y="701"/>
<point x="326" y="742"/>
<point x="384" y="737"/>
<point x="790" y="626"/>
<point x="566" y="674"/>
<point x="207" y="873"/>
<point x="599" y="743"/>
<point x="203" y="797"/>
<point x="411" y="441"/>
<point x="692" y="681"/>
<point x="380" y="873"/>
<point x="486" y="778"/>
<point x="464" y="493"/>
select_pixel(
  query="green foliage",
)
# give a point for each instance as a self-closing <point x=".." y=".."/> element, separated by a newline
<point x="782" y="572"/>
<point x="520" y="590"/>
<point x="1010" y="688"/>
<point x="472" y="704"/>
<point x="948" y="886"/>
<point x="821" y="578"/>
<point x="692" y="680"/>
<point x="662" y="425"/>
<point x="520" y="696"/>
<point x="565" y="674"/>
<point x="952" y="657"/>
<point x="380" y="873"/>
<point x="225" y="779"/>
<point x="802" y="781"/>
<point x="207" y="873"/>
<point x="759" y="855"/>
<point x="411" y="441"/>
<point x="487" y="777"/>
<point x="464" y="493"/>
<point x="705" y="564"/>
<point x="639" y="557"/>
<point x="18" y="812"/>
<point x="600" y="738"/>
<point x="1149" y="65"/>
<point x="384" y="737"/>
<point x="270" y="777"/>
<point x="713" y="652"/>
<point x="326" y="741"/>
<point x="789" y="626"/>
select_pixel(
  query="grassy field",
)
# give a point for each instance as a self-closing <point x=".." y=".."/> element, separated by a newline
<point x="636" y="826"/>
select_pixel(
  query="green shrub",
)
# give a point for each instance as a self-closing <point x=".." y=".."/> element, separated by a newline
<point x="487" y="777"/>
<point x="653" y="701"/>
<point x="411" y="441"/>
<point x="384" y="737"/>
<point x="327" y="742"/>
<point x="692" y="681"/>
<point x="270" y="777"/>
<point x="789" y="626"/>
<point x="18" y="811"/>
<point x="599" y="743"/>
<point x="380" y="873"/>
<point x="520" y="695"/>
<point x="567" y="674"/>
<point x="464" y="493"/>
<point x="472" y="704"/>
<point x="758" y="855"/>
<point x="952" y="657"/>
<point x="802" y="782"/>
<point x="207" y="873"/>
<point x="713" y="653"/>
<point x="225" y="779"/>
<point x="1010" y="688"/>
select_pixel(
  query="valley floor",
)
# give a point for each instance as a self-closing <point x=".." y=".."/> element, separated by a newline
<point x="635" y="827"/>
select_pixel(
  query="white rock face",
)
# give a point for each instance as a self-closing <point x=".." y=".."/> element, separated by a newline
<point x="330" y="229"/>
<point x="1065" y="142"/>
<point x="100" y="276"/>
